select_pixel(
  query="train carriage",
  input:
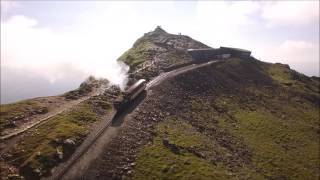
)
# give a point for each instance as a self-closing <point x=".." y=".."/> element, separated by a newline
<point x="130" y="94"/>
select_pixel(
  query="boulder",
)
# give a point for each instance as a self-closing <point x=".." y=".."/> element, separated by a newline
<point x="59" y="154"/>
<point x="174" y="148"/>
<point x="69" y="142"/>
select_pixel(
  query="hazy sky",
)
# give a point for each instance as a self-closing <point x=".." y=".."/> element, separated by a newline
<point x="49" y="47"/>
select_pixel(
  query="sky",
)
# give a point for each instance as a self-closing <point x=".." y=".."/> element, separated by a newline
<point x="50" y="47"/>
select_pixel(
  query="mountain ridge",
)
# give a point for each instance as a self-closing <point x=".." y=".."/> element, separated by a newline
<point x="238" y="118"/>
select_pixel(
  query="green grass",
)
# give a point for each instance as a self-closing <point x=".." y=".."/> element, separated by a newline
<point x="280" y="73"/>
<point x="137" y="54"/>
<point x="261" y="121"/>
<point x="282" y="134"/>
<point x="281" y="148"/>
<point x="283" y="75"/>
<point x="37" y="150"/>
<point x="19" y="110"/>
<point x="156" y="161"/>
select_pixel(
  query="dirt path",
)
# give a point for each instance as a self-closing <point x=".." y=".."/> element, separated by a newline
<point x="42" y="118"/>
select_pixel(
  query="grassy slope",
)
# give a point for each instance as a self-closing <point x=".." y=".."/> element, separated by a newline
<point x="138" y="54"/>
<point x="255" y="121"/>
<point x="19" y="110"/>
<point x="158" y="162"/>
<point x="37" y="151"/>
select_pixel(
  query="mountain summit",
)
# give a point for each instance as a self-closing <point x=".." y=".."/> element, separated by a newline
<point x="239" y="118"/>
<point x="159" y="30"/>
<point x="229" y="117"/>
<point x="158" y="50"/>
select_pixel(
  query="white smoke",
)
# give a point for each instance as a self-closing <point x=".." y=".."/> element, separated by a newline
<point x="54" y="54"/>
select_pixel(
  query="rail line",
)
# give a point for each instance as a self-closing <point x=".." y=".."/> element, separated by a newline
<point x="84" y="147"/>
<point x="81" y="150"/>
<point x="46" y="118"/>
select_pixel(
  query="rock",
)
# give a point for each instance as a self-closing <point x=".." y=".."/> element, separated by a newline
<point x="187" y="162"/>
<point x="165" y="169"/>
<point x="14" y="177"/>
<point x="132" y="164"/>
<point x="59" y="154"/>
<point x="11" y="124"/>
<point x="165" y="141"/>
<point x="69" y="142"/>
<point x="174" y="148"/>
<point x="42" y="110"/>
<point x="38" y="171"/>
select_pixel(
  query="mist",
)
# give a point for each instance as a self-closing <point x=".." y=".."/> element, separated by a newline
<point x="18" y="84"/>
<point x="38" y="61"/>
<point x="50" y="47"/>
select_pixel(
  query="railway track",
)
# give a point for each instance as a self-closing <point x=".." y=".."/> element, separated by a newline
<point x="175" y="72"/>
<point x="46" y="118"/>
<point x="80" y="151"/>
<point x="93" y="137"/>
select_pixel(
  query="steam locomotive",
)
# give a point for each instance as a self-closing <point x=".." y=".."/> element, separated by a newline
<point x="130" y="94"/>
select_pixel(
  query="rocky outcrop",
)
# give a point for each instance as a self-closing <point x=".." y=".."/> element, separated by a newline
<point x="156" y="51"/>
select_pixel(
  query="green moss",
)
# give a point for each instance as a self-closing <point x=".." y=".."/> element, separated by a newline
<point x="39" y="147"/>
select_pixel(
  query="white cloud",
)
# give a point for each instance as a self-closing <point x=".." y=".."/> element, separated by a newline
<point x="225" y="13"/>
<point x="220" y="23"/>
<point x="92" y="40"/>
<point x="290" y="45"/>
<point x="302" y="56"/>
<point x="224" y="23"/>
<point x="44" y="51"/>
<point x="290" y="12"/>
<point x="7" y="5"/>
<point x="91" y="44"/>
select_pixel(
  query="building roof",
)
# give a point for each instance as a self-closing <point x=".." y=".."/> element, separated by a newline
<point x="202" y="49"/>
<point x="235" y="49"/>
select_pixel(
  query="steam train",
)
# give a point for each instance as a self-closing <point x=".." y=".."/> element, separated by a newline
<point x="130" y="94"/>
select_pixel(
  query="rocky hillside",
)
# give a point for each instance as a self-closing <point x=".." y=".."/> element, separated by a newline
<point x="69" y="118"/>
<point x="236" y="119"/>
<point x="157" y="50"/>
<point x="233" y="119"/>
